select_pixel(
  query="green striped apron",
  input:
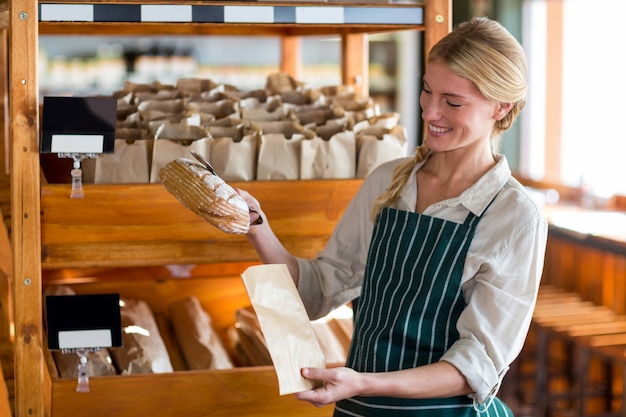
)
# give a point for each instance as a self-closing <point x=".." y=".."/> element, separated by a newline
<point x="410" y="302"/>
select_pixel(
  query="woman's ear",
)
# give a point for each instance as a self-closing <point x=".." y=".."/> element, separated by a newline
<point x="502" y="110"/>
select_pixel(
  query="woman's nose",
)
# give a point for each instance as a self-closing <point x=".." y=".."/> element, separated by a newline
<point x="430" y="110"/>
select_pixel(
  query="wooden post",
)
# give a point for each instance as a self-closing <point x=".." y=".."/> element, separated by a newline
<point x="355" y="61"/>
<point x="291" y="62"/>
<point x="32" y="390"/>
<point x="438" y="18"/>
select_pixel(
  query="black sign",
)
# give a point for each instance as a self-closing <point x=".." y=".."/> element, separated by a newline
<point x="78" y="124"/>
<point x="83" y="321"/>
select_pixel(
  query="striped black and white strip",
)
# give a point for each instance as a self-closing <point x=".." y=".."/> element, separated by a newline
<point x="177" y="13"/>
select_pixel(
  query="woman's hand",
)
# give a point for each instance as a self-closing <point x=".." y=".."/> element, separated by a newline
<point x="256" y="214"/>
<point x="436" y="380"/>
<point x="337" y="384"/>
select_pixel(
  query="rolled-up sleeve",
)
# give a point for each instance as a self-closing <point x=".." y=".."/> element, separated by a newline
<point x="501" y="274"/>
<point x="501" y="294"/>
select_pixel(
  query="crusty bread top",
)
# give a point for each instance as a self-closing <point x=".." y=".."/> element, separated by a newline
<point x="206" y="194"/>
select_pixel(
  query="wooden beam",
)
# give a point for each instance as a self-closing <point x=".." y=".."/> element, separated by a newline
<point x="438" y="15"/>
<point x="291" y="56"/>
<point x="355" y="62"/>
<point x="102" y="229"/>
<point x="554" y="90"/>
<point x="32" y="391"/>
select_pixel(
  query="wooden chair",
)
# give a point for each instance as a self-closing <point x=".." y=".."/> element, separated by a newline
<point x="610" y="349"/>
<point x="576" y="324"/>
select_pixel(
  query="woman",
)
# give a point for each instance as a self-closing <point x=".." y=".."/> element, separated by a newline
<point x="444" y="249"/>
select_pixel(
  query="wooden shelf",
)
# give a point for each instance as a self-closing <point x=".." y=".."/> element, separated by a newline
<point x="132" y="17"/>
<point x="120" y="226"/>
<point x="104" y="230"/>
<point x="220" y="393"/>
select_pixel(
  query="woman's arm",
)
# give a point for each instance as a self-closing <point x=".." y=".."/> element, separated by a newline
<point x="437" y="380"/>
<point x="264" y="241"/>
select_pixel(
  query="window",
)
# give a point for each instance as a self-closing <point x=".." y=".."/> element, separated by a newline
<point x="572" y="131"/>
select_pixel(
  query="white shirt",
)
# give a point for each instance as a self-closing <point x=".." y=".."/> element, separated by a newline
<point x="500" y="277"/>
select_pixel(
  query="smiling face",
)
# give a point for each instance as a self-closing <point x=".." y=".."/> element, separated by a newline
<point x="456" y="114"/>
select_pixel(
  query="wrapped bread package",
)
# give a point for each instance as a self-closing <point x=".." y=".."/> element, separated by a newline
<point x="200" y="343"/>
<point x="203" y="192"/>
<point x="250" y="339"/>
<point x="99" y="363"/>
<point x="143" y="349"/>
<point x="288" y="332"/>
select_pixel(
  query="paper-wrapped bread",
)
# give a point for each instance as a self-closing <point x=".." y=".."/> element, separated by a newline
<point x="206" y="194"/>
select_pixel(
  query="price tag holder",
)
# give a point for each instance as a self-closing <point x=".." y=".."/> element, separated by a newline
<point x="78" y="128"/>
<point x="78" y="124"/>
<point x="88" y="321"/>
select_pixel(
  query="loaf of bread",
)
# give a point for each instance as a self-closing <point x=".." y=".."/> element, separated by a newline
<point x="206" y="194"/>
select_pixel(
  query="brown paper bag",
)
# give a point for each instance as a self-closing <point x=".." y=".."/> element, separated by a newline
<point x="279" y="150"/>
<point x="258" y="96"/>
<point x="143" y="349"/>
<point x="171" y="343"/>
<point x="125" y="106"/>
<point x="331" y="91"/>
<point x="331" y="154"/>
<point x="234" y="152"/>
<point x="129" y="163"/>
<point x="334" y="331"/>
<point x="168" y="110"/>
<point x="133" y="87"/>
<point x="387" y="121"/>
<point x="173" y="141"/>
<point x="200" y="343"/>
<point x="268" y="111"/>
<point x="286" y="327"/>
<point x="142" y="119"/>
<point x="281" y="82"/>
<point x="246" y="349"/>
<point x="376" y="145"/>
<point x="189" y="86"/>
<point x="317" y="115"/>
<point x="99" y="363"/>
<point x="334" y="350"/>
<point x="358" y="108"/>
<point x="219" y="109"/>
<point x="165" y="96"/>
<point x="249" y="338"/>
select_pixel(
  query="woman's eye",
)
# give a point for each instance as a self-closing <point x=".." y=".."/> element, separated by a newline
<point x="453" y="104"/>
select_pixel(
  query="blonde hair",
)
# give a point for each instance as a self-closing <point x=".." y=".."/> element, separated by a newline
<point x="484" y="52"/>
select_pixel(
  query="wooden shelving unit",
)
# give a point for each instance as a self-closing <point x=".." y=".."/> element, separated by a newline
<point x="135" y="226"/>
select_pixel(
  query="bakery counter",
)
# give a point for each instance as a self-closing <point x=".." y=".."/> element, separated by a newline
<point x="599" y="228"/>
<point x="586" y="253"/>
